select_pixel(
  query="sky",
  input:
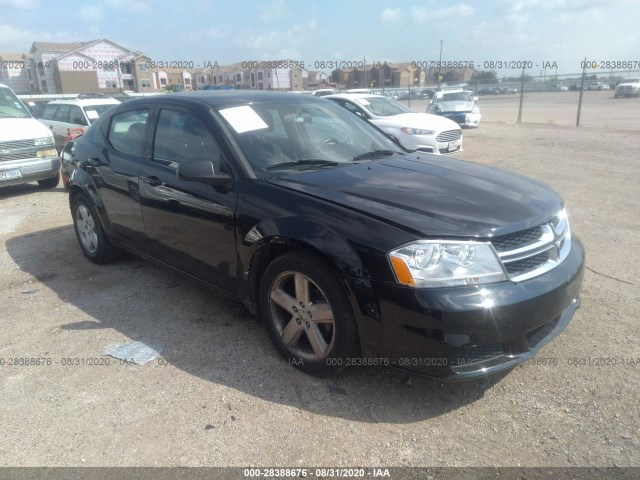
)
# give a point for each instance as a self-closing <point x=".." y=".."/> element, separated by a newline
<point x="539" y="32"/>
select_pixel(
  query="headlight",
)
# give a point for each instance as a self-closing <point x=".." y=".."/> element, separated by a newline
<point x="46" y="153"/>
<point x="43" y="142"/>
<point x="443" y="263"/>
<point x="475" y="109"/>
<point x="417" y="131"/>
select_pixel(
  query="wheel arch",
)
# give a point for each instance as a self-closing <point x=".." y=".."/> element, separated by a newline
<point x="81" y="183"/>
<point x="269" y="240"/>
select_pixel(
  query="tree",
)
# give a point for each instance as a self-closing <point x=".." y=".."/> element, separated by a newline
<point x="485" y="76"/>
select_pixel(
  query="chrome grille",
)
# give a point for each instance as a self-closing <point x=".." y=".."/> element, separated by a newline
<point x="517" y="240"/>
<point x="526" y="264"/>
<point x="449" y="136"/>
<point x="17" y="150"/>
<point x="534" y="251"/>
<point x="18" y="156"/>
<point x="16" y="144"/>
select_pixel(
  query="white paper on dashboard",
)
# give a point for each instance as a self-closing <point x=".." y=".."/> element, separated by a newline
<point x="243" y="119"/>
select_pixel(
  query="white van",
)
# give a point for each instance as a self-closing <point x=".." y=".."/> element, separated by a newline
<point x="27" y="151"/>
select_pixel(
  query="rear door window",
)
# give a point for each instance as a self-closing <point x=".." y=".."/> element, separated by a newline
<point x="62" y="114"/>
<point x="49" y="112"/>
<point x="75" y="116"/>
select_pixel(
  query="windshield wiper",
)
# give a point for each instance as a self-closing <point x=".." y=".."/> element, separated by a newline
<point x="304" y="162"/>
<point x="375" y="154"/>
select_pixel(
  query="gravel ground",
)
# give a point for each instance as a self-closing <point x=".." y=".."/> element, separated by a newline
<point x="219" y="395"/>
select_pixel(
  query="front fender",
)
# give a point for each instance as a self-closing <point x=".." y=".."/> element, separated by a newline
<point x="265" y="241"/>
<point x="308" y="235"/>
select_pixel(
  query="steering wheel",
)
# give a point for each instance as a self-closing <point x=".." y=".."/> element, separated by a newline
<point x="329" y="141"/>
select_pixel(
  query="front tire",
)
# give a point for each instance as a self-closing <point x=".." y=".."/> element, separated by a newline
<point x="50" y="182"/>
<point x="307" y="314"/>
<point x="89" y="232"/>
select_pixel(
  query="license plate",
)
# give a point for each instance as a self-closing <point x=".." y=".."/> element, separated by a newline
<point x="453" y="146"/>
<point x="10" y="174"/>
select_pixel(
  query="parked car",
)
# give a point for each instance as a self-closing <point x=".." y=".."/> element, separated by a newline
<point x="488" y="91"/>
<point x="62" y="115"/>
<point x="558" y="88"/>
<point x="351" y="250"/>
<point x="321" y="92"/>
<point x="428" y="92"/>
<point x="414" y="131"/>
<point x="27" y="152"/>
<point x="597" y="86"/>
<point x="629" y="87"/>
<point x="456" y="105"/>
<point x="36" y="107"/>
<point x="507" y="90"/>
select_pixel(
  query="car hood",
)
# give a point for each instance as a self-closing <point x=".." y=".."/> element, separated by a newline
<point x="432" y="196"/>
<point x="455" y="106"/>
<point x="424" y="121"/>
<point x="12" y="129"/>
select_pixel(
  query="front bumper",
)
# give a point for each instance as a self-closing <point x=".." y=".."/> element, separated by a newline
<point x="31" y="169"/>
<point x="467" y="332"/>
<point x="464" y="119"/>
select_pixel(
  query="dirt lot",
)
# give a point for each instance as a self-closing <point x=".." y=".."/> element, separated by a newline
<point x="220" y="396"/>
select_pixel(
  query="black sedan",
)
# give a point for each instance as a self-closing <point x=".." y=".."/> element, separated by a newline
<point x="351" y="250"/>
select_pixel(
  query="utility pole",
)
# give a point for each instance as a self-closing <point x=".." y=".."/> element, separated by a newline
<point x="440" y="64"/>
<point x="364" y="62"/>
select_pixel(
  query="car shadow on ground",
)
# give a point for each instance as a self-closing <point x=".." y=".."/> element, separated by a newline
<point x="212" y="337"/>
<point x="26" y="189"/>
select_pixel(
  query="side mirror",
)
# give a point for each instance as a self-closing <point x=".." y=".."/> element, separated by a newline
<point x="475" y="99"/>
<point x="202" y="171"/>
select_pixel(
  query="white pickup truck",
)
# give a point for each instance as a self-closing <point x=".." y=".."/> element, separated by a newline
<point x="629" y="87"/>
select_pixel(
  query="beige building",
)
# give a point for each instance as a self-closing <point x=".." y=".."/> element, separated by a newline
<point x="397" y="75"/>
<point x="16" y="71"/>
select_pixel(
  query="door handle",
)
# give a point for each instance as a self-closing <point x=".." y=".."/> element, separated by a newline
<point x="153" y="181"/>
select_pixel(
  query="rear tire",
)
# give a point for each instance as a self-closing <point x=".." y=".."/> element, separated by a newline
<point x="89" y="232"/>
<point x="50" y="182"/>
<point x="307" y="314"/>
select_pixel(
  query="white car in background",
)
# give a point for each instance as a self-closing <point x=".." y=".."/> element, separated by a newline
<point x="597" y="86"/>
<point x="456" y="105"/>
<point x="61" y="116"/>
<point x="414" y="131"/>
<point x="630" y="87"/>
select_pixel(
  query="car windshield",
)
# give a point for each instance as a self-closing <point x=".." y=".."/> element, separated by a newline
<point x="455" y="97"/>
<point x="295" y="136"/>
<point x="381" y="106"/>
<point x="94" y="111"/>
<point x="11" y="106"/>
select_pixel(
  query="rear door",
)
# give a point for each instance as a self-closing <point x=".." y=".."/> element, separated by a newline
<point x="116" y="172"/>
<point x="189" y="225"/>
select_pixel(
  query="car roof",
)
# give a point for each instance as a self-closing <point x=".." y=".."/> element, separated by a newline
<point x="223" y="98"/>
<point x="85" y="101"/>
<point x="353" y="96"/>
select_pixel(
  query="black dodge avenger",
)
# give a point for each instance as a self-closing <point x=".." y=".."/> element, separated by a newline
<point x="351" y="250"/>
